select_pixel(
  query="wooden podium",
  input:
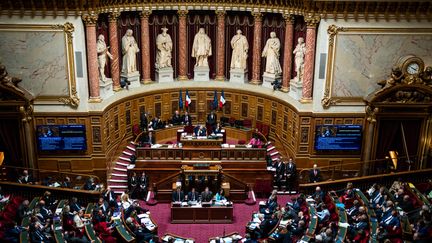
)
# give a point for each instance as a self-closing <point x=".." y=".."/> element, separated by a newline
<point x="201" y="142"/>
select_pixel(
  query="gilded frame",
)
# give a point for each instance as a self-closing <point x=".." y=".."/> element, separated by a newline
<point x="67" y="29"/>
<point x="334" y="31"/>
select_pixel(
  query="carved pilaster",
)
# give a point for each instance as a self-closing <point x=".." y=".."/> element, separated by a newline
<point x="220" y="45"/>
<point x="90" y="19"/>
<point x="145" y="46"/>
<point x="287" y="55"/>
<point x="113" y="16"/>
<point x="182" y="44"/>
<point x="256" y="49"/>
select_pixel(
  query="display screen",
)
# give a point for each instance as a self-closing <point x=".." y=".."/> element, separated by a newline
<point x="61" y="137"/>
<point x="338" y="137"/>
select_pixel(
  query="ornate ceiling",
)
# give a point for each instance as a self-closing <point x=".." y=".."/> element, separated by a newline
<point x="366" y="9"/>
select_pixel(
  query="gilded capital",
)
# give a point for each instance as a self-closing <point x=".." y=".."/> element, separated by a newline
<point x="90" y="19"/>
<point x="220" y="13"/>
<point x="113" y="16"/>
<point x="289" y="18"/>
<point x="182" y="13"/>
<point x="257" y="16"/>
<point x="145" y="14"/>
<point x="312" y="21"/>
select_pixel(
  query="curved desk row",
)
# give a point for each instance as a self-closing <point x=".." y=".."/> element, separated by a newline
<point x="373" y="223"/>
<point x="24" y="235"/>
<point x="89" y="229"/>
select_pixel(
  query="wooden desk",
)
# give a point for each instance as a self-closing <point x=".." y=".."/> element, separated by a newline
<point x="177" y="238"/>
<point x="201" y="142"/>
<point x="201" y="215"/>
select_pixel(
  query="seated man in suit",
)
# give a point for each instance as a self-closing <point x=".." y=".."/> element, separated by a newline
<point x="186" y="119"/>
<point x="212" y="120"/>
<point x="176" y="118"/>
<point x="200" y="131"/>
<point x="314" y="174"/>
<point x="144" y="121"/>
<point x="178" y="195"/>
<point x="193" y="196"/>
<point x="156" y="123"/>
<point x="218" y="129"/>
<point x="206" y="195"/>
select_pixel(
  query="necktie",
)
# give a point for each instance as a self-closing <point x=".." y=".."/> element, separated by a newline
<point x="178" y="196"/>
<point x="315" y="172"/>
<point x="193" y="196"/>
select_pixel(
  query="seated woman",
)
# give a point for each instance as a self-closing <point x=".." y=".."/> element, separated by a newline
<point x="255" y="141"/>
<point x="220" y="195"/>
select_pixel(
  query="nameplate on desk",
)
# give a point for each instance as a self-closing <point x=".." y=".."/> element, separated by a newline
<point x="176" y="204"/>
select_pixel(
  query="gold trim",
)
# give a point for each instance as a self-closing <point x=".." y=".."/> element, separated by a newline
<point x="67" y="28"/>
<point x="333" y="32"/>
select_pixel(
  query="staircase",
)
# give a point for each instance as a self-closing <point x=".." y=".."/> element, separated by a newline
<point x="118" y="179"/>
<point x="274" y="155"/>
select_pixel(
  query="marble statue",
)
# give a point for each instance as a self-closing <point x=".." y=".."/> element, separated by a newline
<point x="201" y="48"/>
<point x="129" y="51"/>
<point x="103" y="53"/>
<point x="299" y="53"/>
<point x="271" y="53"/>
<point x="164" y="48"/>
<point x="240" y="48"/>
<point x="9" y="81"/>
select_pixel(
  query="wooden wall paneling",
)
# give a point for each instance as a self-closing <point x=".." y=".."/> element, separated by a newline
<point x="267" y="111"/>
<point x="64" y="166"/>
<point x="157" y="110"/>
<point x="359" y="121"/>
<point x="260" y="113"/>
<point x="318" y="121"/>
<point x="166" y="107"/>
<point x="39" y="121"/>
<point x="338" y="121"/>
<point x="328" y="121"/>
<point x="244" y="110"/>
<point x="50" y="121"/>
<point x="81" y="165"/>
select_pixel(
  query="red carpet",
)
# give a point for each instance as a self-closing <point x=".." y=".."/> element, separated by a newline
<point x="161" y="213"/>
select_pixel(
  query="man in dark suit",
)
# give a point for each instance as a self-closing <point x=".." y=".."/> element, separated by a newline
<point x="314" y="174"/>
<point x="156" y="123"/>
<point x="193" y="195"/>
<point x="186" y="119"/>
<point x="143" y="185"/>
<point x="212" y="120"/>
<point x="178" y="195"/>
<point x="144" y="121"/>
<point x="280" y="171"/>
<point x="291" y="175"/>
<point x="23" y="210"/>
<point x="318" y="196"/>
<point x="176" y="118"/>
<point x="109" y="195"/>
<point x="200" y="131"/>
<point x="206" y="195"/>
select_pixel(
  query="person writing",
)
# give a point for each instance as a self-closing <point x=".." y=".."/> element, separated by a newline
<point x="201" y="131"/>
<point x="255" y="141"/>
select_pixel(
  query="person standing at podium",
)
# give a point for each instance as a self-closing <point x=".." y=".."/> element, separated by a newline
<point x="206" y="195"/>
<point x="178" y="195"/>
<point x="212" y="120"/>
<point x="186" y="119"/>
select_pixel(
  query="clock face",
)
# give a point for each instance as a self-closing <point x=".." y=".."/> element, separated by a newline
<point x="413" y="68"/>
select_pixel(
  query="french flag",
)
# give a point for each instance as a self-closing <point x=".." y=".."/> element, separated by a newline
<point x="188" y="99"/>
<point x="222" y="100"/>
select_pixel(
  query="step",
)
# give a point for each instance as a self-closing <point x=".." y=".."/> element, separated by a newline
<point x="127" y="153"/>
<point x="118" y="192"/>
<point x="119" y="174"/>
<point x="118" y="187"/>
<point x="125" y="158"/>
<point x="123" y="164"/>
<point x="130" y="148"/>
<point x="120" y="169"/>
<point x="270" y="148"/>
<point x="274" y="153"/>
<point x="118" y="180"/>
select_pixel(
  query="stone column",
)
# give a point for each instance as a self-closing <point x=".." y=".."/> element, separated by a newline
<point x="288" y="49"/>
<point x="256" y="49"/>
<point x="92" y="58"/>
<point x="220" y="45"/>
<point x="182" y="52"/>
<point x="114" y="50"/>
<point x="309" y="62"/>
<point x="145" y="46"/>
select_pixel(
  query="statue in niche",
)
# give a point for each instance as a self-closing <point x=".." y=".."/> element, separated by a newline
<point x="271" y="53"/>
<point x="129" y="51"/>
<point x="103" y="53"/>
<point x="240" y="48"/>
<point x="164" y="48"/>
<point x="299" y="57"/>
<point x="201" y="48"/>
